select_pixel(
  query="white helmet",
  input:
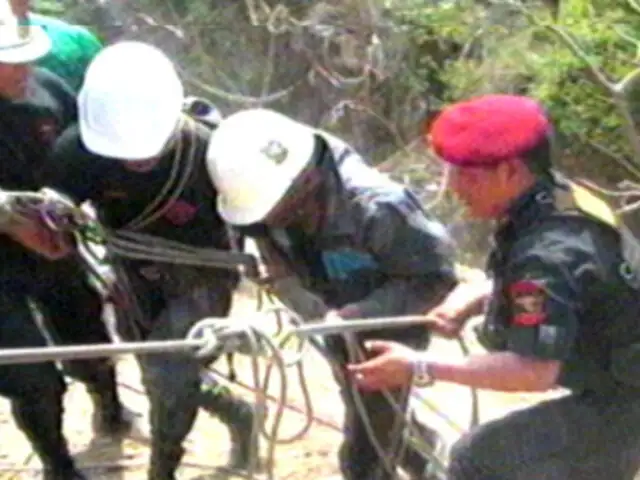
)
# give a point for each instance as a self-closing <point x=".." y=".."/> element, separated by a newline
<point x="20" y="43"/>
<point x="130" y="102"/>
<point x="253" y="159"/>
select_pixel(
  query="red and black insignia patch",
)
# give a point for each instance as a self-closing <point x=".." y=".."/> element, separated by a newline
<point x="528" y="303"/>
<point x="180" y="212"/>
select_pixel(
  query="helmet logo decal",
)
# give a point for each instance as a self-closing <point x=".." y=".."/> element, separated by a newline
<point x="275" y="151"/>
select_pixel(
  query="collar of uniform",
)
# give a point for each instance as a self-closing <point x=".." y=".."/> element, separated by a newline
<point x="345" y="169"/>
<point x="337" y="219"/>
<point x="527" y="208"/>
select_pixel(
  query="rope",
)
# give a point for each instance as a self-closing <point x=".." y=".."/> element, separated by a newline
<point x="212" y="334"/>
<point x="206" y="337"/>
<point x="209" y="335"/>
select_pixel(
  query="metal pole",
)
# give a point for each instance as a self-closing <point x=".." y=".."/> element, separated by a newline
<point x="11" y="356"/>
<point x="356" y="325"/>
<point x="79" y="352"/>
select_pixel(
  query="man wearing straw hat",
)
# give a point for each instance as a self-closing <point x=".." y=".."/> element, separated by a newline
<point x="562" y="308"/>
<point x="72" y="46"/>
<point x="34" y="107"/>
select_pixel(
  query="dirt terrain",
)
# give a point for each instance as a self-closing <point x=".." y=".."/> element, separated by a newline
<point x="311" y="457"/>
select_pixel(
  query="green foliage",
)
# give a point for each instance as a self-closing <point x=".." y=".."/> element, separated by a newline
<point x="437" y="51"/>
<point x="50" y="7"/>
<point x="583" y="110"/>
<point x="512" y="49"/>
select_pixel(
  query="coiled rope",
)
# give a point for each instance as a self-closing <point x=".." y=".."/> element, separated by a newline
<point x="62" y="215"/>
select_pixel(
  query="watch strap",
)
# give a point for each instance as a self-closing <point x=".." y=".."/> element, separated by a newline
<point x="422" y="374"/>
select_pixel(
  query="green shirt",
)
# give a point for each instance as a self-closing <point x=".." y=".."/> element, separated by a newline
<point x="73" y="48"/>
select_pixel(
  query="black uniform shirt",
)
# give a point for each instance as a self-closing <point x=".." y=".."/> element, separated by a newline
<point x="559" y="292"/>
<point x="28" y="129"/>
<point x="120" y="194"/>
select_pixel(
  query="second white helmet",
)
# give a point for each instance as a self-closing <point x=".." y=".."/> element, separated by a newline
<point x="253" y="159"/>
<point x="130" y="102"/>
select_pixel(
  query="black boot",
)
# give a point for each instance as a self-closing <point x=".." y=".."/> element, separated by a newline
<point x="41" y="421"/>
<point x="55" y="474"/>
<point x="110" y="417"/>
<point x="164" y="463"/>
<point x="238" y="416"/>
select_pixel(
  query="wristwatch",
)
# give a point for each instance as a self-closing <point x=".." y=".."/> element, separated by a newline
<point x="422" y="374"/>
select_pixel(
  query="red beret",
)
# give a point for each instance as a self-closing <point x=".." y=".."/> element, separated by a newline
<point x="487" y="130"/>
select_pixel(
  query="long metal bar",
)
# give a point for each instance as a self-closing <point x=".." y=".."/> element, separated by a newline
<point x="79" y="352"/>
<point x="355" y="325"/>
<point x="11" y="356"/>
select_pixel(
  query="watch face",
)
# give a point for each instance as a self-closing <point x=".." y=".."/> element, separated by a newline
<point x="421" y="374"/>
<point x="422" y="380"/>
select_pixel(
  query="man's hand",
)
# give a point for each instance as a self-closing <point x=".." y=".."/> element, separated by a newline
<point x="466" y="300"/>
<point x="332" y="316"/>
<point x="390" y="368"/>
<point x="272" y="266"/>
<point x="33" y="234"/>
<point x="446" y="320"/>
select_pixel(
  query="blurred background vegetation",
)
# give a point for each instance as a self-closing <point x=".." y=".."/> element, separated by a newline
<point x="373" y="71"/>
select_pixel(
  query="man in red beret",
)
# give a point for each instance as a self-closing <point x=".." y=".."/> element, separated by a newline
<point x="562" y="307"/>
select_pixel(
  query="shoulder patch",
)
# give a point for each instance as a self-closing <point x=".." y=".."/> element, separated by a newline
<point x="528" y="300"/>
<point x="180" y="212"/>
<point x="590" y="203"/>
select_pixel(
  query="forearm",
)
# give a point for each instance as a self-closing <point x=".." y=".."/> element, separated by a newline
<point x="501" y="371"/>
<point x="471" y="296"/>
<point x="293" y="295"/>
<point x="399" y="297"/>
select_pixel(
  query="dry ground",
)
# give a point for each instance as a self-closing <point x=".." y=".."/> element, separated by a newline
<point x="312" y="457"/>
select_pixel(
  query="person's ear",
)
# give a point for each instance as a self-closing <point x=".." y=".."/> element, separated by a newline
<point x="504" y="174"/>
<point x="513" y="171"/>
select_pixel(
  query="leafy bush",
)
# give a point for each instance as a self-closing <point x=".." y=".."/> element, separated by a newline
<point x="517" y="47"/>
<point x="372" y="71"/>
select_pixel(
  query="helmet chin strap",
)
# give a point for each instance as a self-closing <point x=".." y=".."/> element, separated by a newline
<point x="302" y="206"/>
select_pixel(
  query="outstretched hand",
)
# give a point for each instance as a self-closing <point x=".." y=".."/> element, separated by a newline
<point x="33" y="234"/>
<point x="445" y="321"/>
<point x="467" y="299"/>
<point x="391" y="366"/>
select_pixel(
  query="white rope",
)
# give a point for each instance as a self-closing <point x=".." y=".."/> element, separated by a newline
<point x="210" y="334"/>
<point x="205" y="338"/>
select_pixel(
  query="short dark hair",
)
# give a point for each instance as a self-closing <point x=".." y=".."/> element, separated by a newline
<point x="539" y="158"/>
